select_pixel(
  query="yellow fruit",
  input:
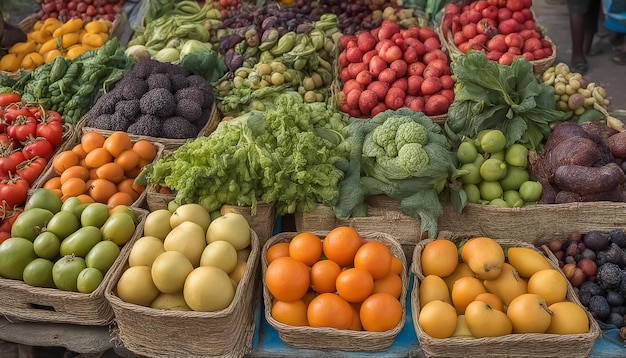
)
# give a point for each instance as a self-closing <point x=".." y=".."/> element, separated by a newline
<point x="484" y="256"/>
<point x="527" y="261"/>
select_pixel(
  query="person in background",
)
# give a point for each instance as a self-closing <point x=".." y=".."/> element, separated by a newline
<point x="615" y="20"/>
<point x="583" y="19"/>
<point x="9" y="34"/>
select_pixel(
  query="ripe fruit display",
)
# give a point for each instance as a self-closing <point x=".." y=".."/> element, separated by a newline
<point x="192" y="263"/>
<point x="496" y="174"/>
<point x="70" y="246"/>
<point x="341" y="280"/>
<point x="492" y="298"/>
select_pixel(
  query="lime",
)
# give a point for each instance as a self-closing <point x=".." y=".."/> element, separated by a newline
<point x="497" y="155"/>
<point x="493" y="141"/>
<point x="514" y="177"/>
<point x="466" y="153"/>
<point x="513" y="199"/>
<point x="480" y="159"/>
<point x="499" y="202"/>
<point x="472" y="192"/>
<point x="490" y="190"/>
<point x="493" y="169"/>
<point x="517" y="155"/>
<point x="530" y="191"/>
<point x="39" y="273"/>
<point x="479" y="137"/>
<point x="473" y="177"/>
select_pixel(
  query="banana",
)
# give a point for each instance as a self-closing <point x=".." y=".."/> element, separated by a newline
<point x="548" y="78"/>
<point x="585" y="92"/>
<point x="611" y="121"/>
<point x="596" y="94"/>
<point x="559" y="88"/>
<point x="591" y="86"/>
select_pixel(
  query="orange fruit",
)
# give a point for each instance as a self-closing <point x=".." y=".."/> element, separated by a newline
<point x="439" y="257"/>
<point x="287" y="279"/>
<point x="396" y="265"/>
<point x="120" y="198"/>
<point x="53" y="183"/>
<point x="324" y="276"/>
<point x="494" y="301"/>
<point x="127" y="159"/>
<point x="375" y="257"/>
<point x="75" y="171"/>
<point x="127" y="186"/>
<point x="330" y="310"/>
<point x="354" y="284"/>
<point x="91" y="141"/>
<point x="73" y="187"/>
<point x="79" y="150"/>
<point x="392" y="284"/>
<point x="110" y="171"/>
<point x="356" y="318"/>
<point x="380" y="312"/>
<point x="85" y="199"/>
<point x="292" y="313"/>
<point x="279" y="249"/>
<point x="101" y="190"/>
<point x="464" y="291"/>
<point x="117" y="142"/>
<point x="64" y="160"/>
<point x="341" y="244"/>
<point x="306" y="247"/>
<point x="97" y="158"/>
<point x="146" y="150"/>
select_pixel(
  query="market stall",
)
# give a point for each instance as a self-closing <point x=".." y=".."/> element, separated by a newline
<point x="300" y="178"/>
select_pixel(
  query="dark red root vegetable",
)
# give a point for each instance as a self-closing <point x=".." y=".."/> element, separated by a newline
<point x="585" y="180"/>
<point x="565" y="197"/>
<point x="563" y="131"/>
<point x="617" y="144"/>
<point x="539" y="173"/>
<point x="572" y="151"/>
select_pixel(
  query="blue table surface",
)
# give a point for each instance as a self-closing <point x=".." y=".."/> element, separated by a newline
<point x="266" y="341"/>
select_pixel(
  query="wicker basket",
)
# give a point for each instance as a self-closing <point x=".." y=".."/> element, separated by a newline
<point x="51" y="173"/>
<point x="163" y="333"/>
<point x="322" y="217"/>
<point x="511" y="345"/>
<point x="22" y="302"/>
<point x="168" y="144"/>
<point x="331" y="338"/>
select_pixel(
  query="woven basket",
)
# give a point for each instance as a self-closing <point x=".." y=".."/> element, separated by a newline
<point x="168" y="144"/>
<point x="322" y="217"/>
<point x="22" y="302"/>
<point x="164" y="333"/>
<point x="511" y="345"/>
<point x="51" y="173"/>
<point x="331" y="338"/>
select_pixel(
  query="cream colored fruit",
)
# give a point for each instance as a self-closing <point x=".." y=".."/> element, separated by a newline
<point x="462" y="330"/>
<point x="136" y="286"/>
<point x="230" y="227"/>
<point x="169" y="271"/>
<point x="433" y="288"/>
<point x="529" y="314"/>
<point x="145" y="250"/>
<point x="568" y="318"/>
<point x="187" y="238"/>
<point x="527" y="261"/>
<point x="438" y="319"/>
<point x="549" y="284"/>
<point x="171" y="302"/>
<point x="208" y="289"/>
<point x="507" y="285"/>
<point x="484" y="256"/>
<point x="237" y="274"/>
<point x="157" y="224"/>
<point x="191" y="212"/>
<point x="220" y="254"/>
<point x="485" y="321"/>
<point x="462" y="270"/>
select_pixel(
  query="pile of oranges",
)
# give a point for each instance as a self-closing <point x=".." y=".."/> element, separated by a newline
<point x="343" y="281"/>
<point x="101" y="169"/>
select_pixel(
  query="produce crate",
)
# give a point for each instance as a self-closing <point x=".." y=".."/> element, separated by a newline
<point x="331" y="338"/>
<point x="511" y="345"/>
<point x="168" y="144"/>
<point x="22" y="302"/>
<point x="164" y="333"/>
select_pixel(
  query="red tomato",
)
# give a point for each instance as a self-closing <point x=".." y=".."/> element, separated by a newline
<point x="9" y="162"/>
<point x="52" y="131"/>
<point x="8" y="98"/>
<point x="22" y="127"/>
<point x="14" y="191"/>
<point x="30" y="169"/>
<point x="8" y="217"/>
<point x="38" y="147"/>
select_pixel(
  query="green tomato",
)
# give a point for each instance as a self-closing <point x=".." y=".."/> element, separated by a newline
<point x="30" y="223"/>
<point x="514" y="178"/>
<point x="493" y="169"/>
<point x="66" y="270"/>
<point x="492" y="141"/>
<point x="472" y="192"/>
<point x="473" y="177"/>
<point x="513" y="199"/>
<point x="95" y="214"/>
<point x="47" y="245"/>
<point x="499" y="202"/>
<point x="62" y="224"/>
<point x="102" y="256"/>
<point x="517" y="155"/>
<point x="88" y="280"/>
<point x="15" y="254"/>
<point x="530" y="191"/>
<point x="466" y="153"/>
<point x="497" y="155"/>
<point x="39" y="273"/>
<point x="74" y="206"/>
<point x="45" y="199"/>
<point x="119" y="228"/>
<point x="490" y="190"/>
<point x="80" y="241"/>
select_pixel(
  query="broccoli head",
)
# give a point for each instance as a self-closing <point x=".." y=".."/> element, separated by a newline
<point x="178" y="81"/>
<point x="128" y="108"/>
<point x="179" y="128"/>
<point x="205" y="86"/>
<point x="147" y="125"/>
<point x="159" y="80"/>
<point x="190" y="93"/>
<point x="103" y="121"/>
<point x="105" y="104"/>
<point x="411" y="132"/>
<point x="119" y="122"/>
<point x="132" y="88"/>
<point x="384" y="136"/>
<point x="143" y="68"/>
<point x="158" y="102"/>
<point x="188" y="109"/>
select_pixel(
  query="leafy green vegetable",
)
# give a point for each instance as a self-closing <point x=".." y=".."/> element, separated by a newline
<point x="276" y="156"/>
<point x="493" y="96"/>
<point x="402" y="154"/>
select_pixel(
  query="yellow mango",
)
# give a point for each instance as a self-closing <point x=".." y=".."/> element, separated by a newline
<point x="23" y="47"/>
<point x="75" y="50"/>
<point x="72" y="25"/>
<point x="95" y="40"/>
<point x="51" y="44"/>
<point x="10" y="62"/>
<point x="95" y="27"/>
<point x="31" y="61"/>
<point x="69" y="39"/>
<point x="50" y="55"/>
